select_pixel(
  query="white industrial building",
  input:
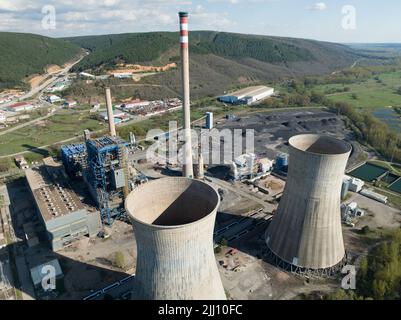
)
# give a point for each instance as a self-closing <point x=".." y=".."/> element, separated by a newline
<point x="87" y="75"/>
<point x="20" y="106"/>
<point x="124" y="75"/>
<point x="53" y="98"/>
<point x="135" y="104"/>
<point x="248" y="95"/>
<point x="70" y="103"/>
<point x="355" y="184"/>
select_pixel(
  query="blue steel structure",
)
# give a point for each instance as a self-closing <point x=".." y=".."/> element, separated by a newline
<point x="104" y="155"/>
<point x="74" y="158"/>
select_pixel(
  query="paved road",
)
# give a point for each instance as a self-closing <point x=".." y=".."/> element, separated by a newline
<point x="43" y="86"/>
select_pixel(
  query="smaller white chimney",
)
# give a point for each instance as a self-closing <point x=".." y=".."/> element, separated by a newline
<point x="110" y="114"/>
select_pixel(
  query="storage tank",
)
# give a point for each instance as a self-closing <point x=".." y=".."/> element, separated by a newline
<point x="173" y="220"/>
<point x="209" y="120"/>
<point x="282" y="161"/>
<point x="306" y="233"/>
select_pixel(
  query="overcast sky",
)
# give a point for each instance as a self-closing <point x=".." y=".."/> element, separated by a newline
<point x="331" y="20"/>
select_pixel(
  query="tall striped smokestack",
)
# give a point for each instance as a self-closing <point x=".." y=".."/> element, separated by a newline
<point x="110" y="114"/>
<point x="187" y="166"/>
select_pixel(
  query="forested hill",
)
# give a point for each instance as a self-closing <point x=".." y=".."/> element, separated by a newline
<point x="218" y="60"/>
<point x="107" y="50"/>
<point x="22" y="55"/>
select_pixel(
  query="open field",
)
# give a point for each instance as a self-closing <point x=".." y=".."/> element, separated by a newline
<point x="375" y="93"/>
<point x="54" y="129"/>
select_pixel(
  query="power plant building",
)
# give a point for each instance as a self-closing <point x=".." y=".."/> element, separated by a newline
<point x="60" y="209"/>
<point x="173" y="220"/>
<point x="104" y="165"/>
<point x="305" y="235"/>
<point x="248" y="95"/>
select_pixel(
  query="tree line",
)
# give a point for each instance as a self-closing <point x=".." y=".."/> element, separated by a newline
<point x="379" y="274"/>
<point x="367" y="128"/>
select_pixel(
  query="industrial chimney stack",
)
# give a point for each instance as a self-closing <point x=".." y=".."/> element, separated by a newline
<point x="110" y="114"/>
<point x="187" y="165"/>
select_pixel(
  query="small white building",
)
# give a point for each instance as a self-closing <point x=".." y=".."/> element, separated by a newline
<point x="87" y="75"/>
<point x="265" y="165"/>
<point x="21" y="162"/>
<point x="53" y="98"/>
<point x="122" y="75"/>
<point x="70" y="103"/>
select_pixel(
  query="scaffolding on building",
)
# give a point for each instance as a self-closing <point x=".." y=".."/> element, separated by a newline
<point x="74" y="158"/>
<point x="107" y="175"/>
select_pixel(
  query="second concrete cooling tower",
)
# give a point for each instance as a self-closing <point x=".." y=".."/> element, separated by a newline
<point x="306" y="233"/>
<point x="173" y="221"/>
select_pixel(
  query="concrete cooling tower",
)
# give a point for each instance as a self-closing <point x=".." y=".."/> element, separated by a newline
<point x="305" y="235"/>
<point x="173" y="221"/>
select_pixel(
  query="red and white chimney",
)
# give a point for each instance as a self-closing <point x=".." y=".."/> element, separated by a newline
<point x="187" y="165"/>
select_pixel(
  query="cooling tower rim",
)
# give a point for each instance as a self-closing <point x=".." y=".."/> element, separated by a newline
<point x="177" y="226"/>
<point x="301" y="266"/>
<point x="344" y="145"/>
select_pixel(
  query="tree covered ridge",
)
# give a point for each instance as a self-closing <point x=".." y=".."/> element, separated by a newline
<point x="22" y="55"/>
<point x="107" y="50"/>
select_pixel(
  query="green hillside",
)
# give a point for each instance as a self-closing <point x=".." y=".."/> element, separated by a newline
<point x="219" y="60"/>
<point x="22" y="55"/>
<point x="107" y="50"/>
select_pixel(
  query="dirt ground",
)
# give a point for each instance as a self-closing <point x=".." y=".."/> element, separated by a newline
<point x="53" y="68"/>
<point x="378" y="215"/>
<point x="35" y="81"/>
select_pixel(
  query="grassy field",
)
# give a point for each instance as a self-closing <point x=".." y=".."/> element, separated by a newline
<point x="374" y="93"/>
<point x="56" y="128"/>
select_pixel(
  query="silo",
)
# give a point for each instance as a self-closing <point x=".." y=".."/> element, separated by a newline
<point x="173" y="220"/>
<point x="306" y="233"/>
<point x="281" y="161"/>
<point x="209" y="120"/>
